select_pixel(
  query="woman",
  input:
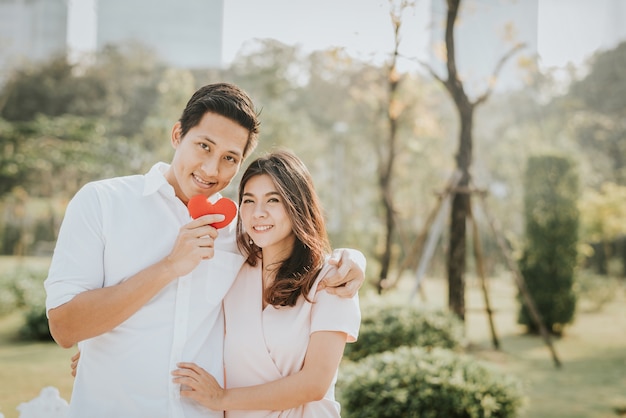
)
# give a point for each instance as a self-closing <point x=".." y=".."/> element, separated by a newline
<point x="284" y="340"/>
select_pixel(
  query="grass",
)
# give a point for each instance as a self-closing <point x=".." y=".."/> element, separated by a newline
<point x="590" y="384"/>
<point x="28" y="367"/>
<point x="592" y="380"/>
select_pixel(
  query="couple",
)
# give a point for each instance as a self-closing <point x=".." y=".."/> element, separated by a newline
<point x="140" y="286"/>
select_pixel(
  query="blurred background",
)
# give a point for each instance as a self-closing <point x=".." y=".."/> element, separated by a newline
<point x="402" y="133"/>
<point x="90" y="89"/>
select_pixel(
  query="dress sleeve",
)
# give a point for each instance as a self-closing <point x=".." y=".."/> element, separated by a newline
<point x="334" y="313"/>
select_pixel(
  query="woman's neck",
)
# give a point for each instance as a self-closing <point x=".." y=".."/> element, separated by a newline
<point x="271" y="260"/>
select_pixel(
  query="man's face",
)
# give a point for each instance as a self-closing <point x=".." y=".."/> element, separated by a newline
<point x="207" y="157"/>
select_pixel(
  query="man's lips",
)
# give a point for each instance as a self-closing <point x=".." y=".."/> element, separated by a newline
<point x="201" y="181"/>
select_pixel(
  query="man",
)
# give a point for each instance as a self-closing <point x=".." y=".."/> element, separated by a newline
<point x="139" y="285"/>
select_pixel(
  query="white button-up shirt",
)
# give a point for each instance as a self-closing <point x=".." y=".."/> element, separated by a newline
<point x="113" y="229"/>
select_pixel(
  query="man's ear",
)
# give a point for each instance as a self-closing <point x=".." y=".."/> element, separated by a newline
<point x="176" y="135"/>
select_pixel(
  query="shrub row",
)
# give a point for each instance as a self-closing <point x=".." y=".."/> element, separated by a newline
<point x="386" y="327"/>
<point x="408" y="362"/>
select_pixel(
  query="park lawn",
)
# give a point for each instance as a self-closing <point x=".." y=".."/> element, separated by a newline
<point x="28" y="367"/>
<point x="591" y="382"/>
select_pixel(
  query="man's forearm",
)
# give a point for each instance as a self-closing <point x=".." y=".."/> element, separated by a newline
<point x="97" y="311"/>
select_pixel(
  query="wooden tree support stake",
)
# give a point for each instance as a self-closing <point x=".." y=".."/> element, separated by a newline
<point x="521" y="285"/>
<point x="480" y="268"/>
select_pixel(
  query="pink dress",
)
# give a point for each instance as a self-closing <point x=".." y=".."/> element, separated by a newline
<point x="263" y="345"/>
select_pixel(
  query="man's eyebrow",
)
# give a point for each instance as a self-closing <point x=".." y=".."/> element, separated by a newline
<point x="207" y="139"/>
<point x="234" y="152"/>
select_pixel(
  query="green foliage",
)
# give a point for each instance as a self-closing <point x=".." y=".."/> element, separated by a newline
<point x="10" y="238"/>
<point x="21" y="288"/>
<point x="69" y="125"/>
<point x="35" y="326"/>
<point x="385" y="327"/>
<point x="414" y="382"/>
<point x="50" y="155"/>
<point x="550" y="254"/>
<point x="131" y="74"/>
<point x="51" y="89"/>
<point x="595" y="290"/>
<point x="12" y="166"/>
<point x="603" y="213"/>
<point x="596" y="106"/>
<point x="604" y="88"/>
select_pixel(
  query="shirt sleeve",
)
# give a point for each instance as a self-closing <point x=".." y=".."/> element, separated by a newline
<point x="77" y="262"/>
<point x="335" y="313"/>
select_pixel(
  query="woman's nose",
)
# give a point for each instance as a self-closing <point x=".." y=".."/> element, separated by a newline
<point x="259" y="211"/>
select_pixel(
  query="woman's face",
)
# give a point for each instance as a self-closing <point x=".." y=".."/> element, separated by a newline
<point x="264" y="216"/>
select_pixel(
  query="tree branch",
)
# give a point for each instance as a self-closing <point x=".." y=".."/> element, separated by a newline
<point x="496" y="72"/>
<point x="432" y="72"/>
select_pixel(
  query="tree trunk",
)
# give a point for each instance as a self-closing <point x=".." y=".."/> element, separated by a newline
<point x="385" y="261"/>
<point x="385" y="187"/>
<point x="387" y="158"/>
<point x="459" y="213"/>
<point x="461" y="195"/>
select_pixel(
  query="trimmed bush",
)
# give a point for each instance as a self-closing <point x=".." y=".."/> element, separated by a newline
<point x="416" y="382"/>
<point x="550" y="253"/>
<point x="386" y="327"/>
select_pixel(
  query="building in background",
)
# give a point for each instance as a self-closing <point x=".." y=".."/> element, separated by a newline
<point x="184" y="33"/>
<point x="31" y="30"/>
<point x="190" y="33"/>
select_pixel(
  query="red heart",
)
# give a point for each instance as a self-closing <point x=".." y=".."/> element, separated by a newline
<point x="200" y="205"/>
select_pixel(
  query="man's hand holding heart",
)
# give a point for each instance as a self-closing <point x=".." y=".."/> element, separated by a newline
<point x="195" y="241"/>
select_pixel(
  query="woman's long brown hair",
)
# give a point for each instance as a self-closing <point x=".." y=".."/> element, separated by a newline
<point x="297" y="273"/>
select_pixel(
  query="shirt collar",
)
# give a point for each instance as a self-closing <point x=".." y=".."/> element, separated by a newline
<point x="155" y="180"/>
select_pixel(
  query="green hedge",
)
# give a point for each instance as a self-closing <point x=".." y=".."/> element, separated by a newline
<point x="416" y="382"/>
<point x="551" y="187"/>
<point x="386" y="326"/>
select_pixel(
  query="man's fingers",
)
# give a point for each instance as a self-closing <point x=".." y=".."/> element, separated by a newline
<point x="335" y="258"/>
<point x="339" y="275"/>
<point x="342" y="291"/>
<point x="344" y="270"/>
